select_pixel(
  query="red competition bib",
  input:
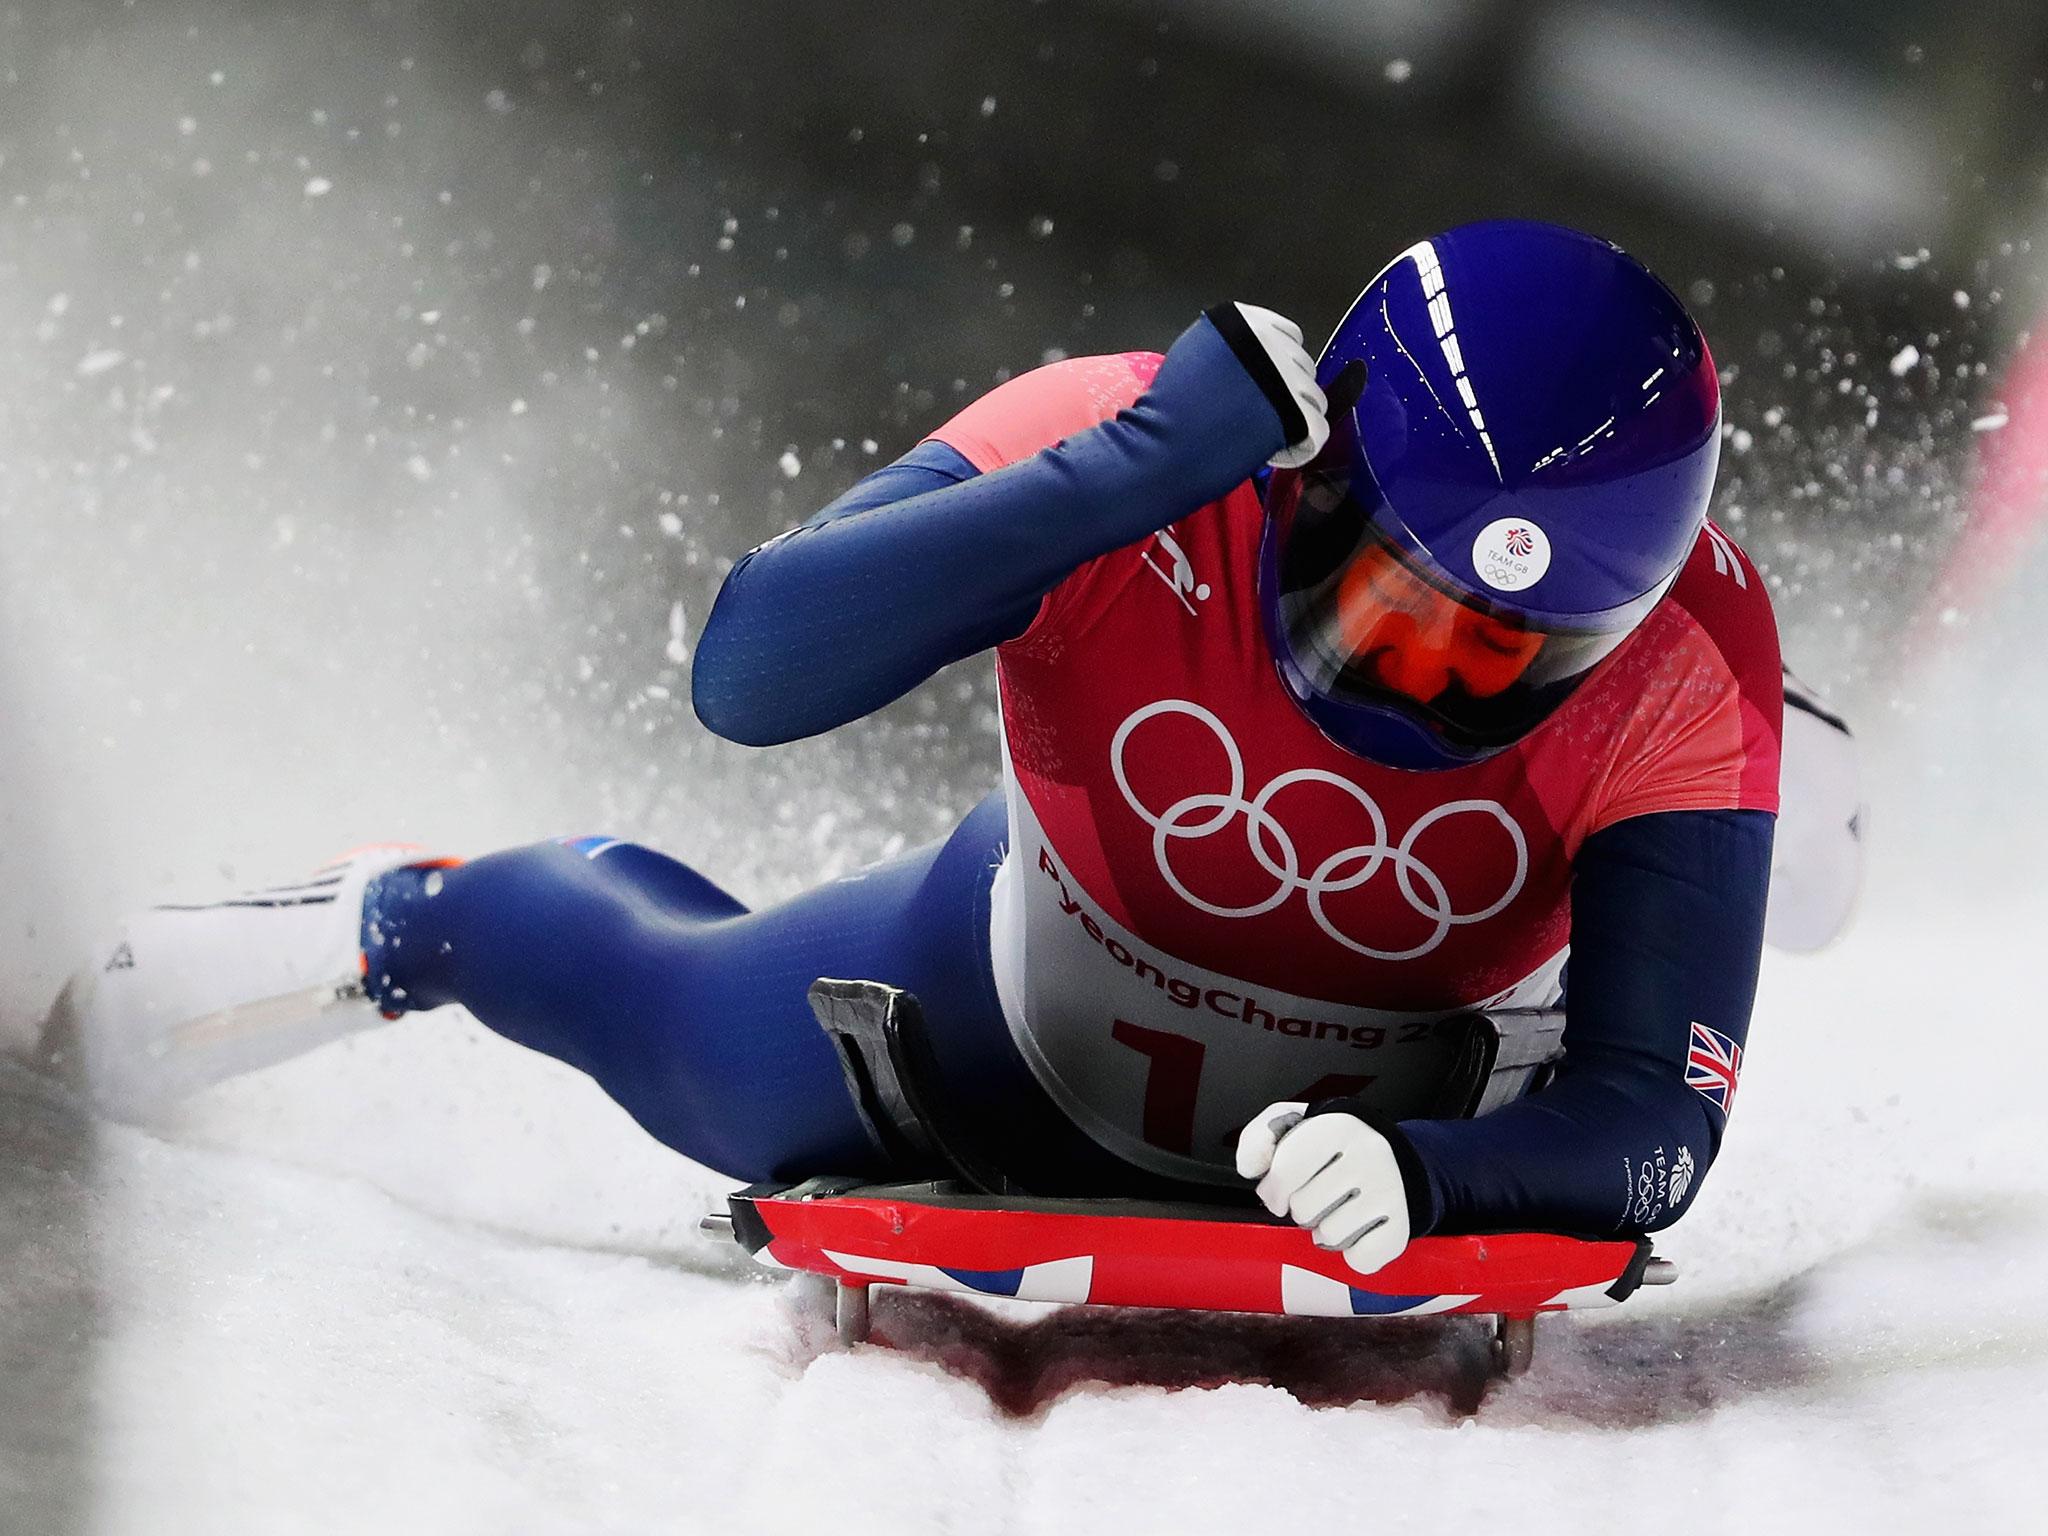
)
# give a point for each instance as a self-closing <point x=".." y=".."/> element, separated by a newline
<point x="1207" y="906"/>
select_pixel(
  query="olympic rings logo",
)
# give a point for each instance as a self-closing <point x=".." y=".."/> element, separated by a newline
<point x="1194" y="817"/>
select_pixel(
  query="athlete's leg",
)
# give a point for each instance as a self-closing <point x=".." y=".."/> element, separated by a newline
<point x="689" y="1010"/>
<point x="665" y="880"/>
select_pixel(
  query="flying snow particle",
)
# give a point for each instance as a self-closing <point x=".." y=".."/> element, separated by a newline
<point x="790" y="464"/>
<point x="1962" y="299"/>
<point x="677" y="650"/>
<point x="1040" y="227"/>
<point x="988" y="106"/>
<point x="99" y="362"/>
<point x="1398" y="71"/>
<point x="1992" y="421"/>
<point x="319" y="186"/>
<point x="418" y="467"/>
<point x="1903" y="361"/>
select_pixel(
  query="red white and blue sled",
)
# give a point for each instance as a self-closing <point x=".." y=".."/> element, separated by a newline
<point x="975" y="1233"/>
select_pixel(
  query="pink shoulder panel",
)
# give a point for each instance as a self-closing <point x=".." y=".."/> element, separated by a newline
<point x="1036" y="409"/>
<point x="1710" y="701"/>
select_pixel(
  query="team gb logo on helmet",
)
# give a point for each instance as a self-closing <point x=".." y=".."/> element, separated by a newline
<point x="1197" y="816"/>
<point x="1511" y="553"/>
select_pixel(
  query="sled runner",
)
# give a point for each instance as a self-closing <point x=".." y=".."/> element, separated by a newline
<point x="968" y="1229"/>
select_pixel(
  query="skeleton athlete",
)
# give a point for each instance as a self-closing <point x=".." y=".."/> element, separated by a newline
<point x="1339" y="697"/>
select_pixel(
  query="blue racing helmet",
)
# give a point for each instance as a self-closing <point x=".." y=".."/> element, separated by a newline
<point x="1524" y="429"/>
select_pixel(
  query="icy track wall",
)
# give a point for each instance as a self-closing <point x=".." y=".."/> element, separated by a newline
<point x="384" y="395"/>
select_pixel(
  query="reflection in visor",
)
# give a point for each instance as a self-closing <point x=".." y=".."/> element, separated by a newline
<point x="1403" y="634"/>
<point x="1364" y="620"/>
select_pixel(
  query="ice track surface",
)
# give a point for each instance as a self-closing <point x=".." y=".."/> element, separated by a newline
<point x="493" y="1313"/>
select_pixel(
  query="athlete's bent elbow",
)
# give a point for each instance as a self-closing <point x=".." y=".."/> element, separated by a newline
<point x="736" y="708"/>
<point x="1665" y="1179"/>
<point x="726" y="693"/>
<point x="724" y="713"/>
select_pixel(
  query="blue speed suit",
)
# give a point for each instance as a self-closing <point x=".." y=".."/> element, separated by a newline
<point x="690" y="1010"/>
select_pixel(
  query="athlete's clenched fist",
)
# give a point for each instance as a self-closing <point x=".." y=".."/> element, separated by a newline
<point x="1269" y="348"/>
<point x="1332" y="1174"/>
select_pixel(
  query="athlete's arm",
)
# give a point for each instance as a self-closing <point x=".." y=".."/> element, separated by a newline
<point x="1667" y="931"/>
<point x="926" y="562"/>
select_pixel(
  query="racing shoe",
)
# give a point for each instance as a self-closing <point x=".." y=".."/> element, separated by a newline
<point x="184" y="997"/>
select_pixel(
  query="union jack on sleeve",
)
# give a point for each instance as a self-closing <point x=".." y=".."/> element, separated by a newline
<point x="1713" y="1064"/>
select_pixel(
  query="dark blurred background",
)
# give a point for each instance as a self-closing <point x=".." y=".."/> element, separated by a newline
<point x="497" y="330"/>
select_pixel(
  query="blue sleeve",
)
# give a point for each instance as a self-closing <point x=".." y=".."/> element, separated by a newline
<point x="1667" y="933"/>
<point x="924" y="563"/>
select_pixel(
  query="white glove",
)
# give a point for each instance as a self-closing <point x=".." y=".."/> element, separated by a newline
<point x="1333" y="1174"/>
<point x="1280" y="339"/>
